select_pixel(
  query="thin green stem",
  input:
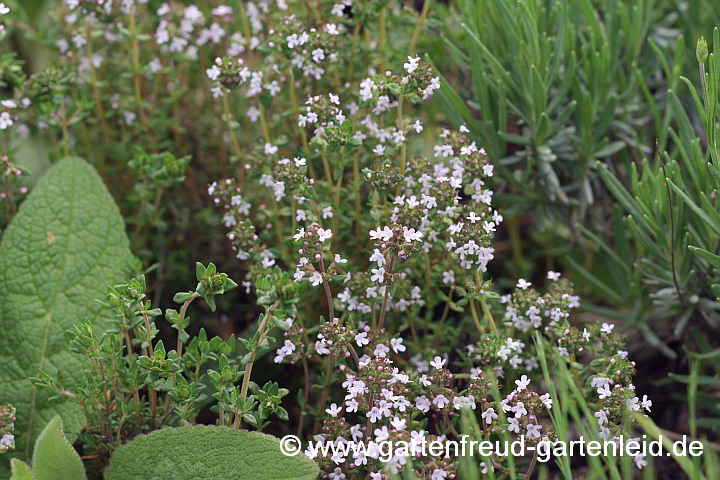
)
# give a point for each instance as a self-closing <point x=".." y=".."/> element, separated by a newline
<point x="253" y="354"/>
<point x="358" y="200"/>
<point x="325" y="392"/>
<point x="672" y="230"/>
<point x="247" y="32"/>
<point x="428" y="277"/>
<point x="233" y="136"/>
<point x="381" y="321"/>
<point x="336" y="217"/>
<point x="353" y="43"/>
<point x="445" y="313"/>
<point x="483" y="303"/>
<point x="328" y="172"/>
<point x="137" y="77"/>
<point x="328" y="293"/>
<point x="383" y="40"/>
<point x="66" y="136"/>
<point x="264" y="125"/>
<point x="99" y="111"/>
<point x="296" y="111"/>
<point x="401" y="127"/>
<point x="306" y="397"/>
<point x="476" y="319"/>
<point x="419" y="26"/>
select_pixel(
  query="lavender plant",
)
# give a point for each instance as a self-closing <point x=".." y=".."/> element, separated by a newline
<point x="676" y="268"/>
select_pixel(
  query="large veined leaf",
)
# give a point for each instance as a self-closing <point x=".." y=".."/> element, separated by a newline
<point x="207" y="453"/>
<point x="64" y="247"/>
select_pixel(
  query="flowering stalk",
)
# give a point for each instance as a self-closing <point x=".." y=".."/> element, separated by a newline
<point x="65" y="134"/>
<point x="531" y="467"/>
<point x="428" y="278"/>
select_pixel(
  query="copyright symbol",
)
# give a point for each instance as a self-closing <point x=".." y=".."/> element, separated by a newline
<point x="290" y="445"/>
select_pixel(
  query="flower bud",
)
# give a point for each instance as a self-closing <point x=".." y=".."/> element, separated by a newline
<point x="701" y="50"/>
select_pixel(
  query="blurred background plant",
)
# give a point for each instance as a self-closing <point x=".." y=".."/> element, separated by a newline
<point x="586" y="108"/>
<point x="551" y="89"/>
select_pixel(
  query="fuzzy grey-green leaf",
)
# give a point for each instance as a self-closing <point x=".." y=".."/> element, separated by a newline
<point x="54" y="458"/>
<point x="64" y="247"/>
<point x="207" y="453"/>
<point x="20" y="470"/>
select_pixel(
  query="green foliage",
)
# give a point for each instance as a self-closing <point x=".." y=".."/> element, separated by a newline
<point x="210" y="283"/>
<point x="20" y="470"/>
<point x="159" y="169"/>
<point x="555" y="87"/>
<point x="153" y="175"/>
<point x="10" y="68"/>
<point x="53" y="458"/>
<point x="564" y="96"/>
<point x="66" y="243"/>
<point x="112" y="396"/>
<point x="674" y="224"/>
<point x="207" y="453"/>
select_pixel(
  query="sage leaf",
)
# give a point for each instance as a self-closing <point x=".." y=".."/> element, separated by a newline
<point x="54" y="458"/>
<point x="207" y="453"/>
<point x="20" y="470"/>
<point x="64" y="247"/>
